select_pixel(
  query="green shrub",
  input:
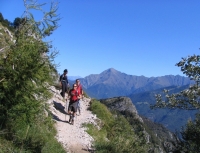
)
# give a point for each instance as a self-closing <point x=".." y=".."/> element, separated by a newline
<point x="27" y="69"/>
<point x="34" y="138"/>
<point x="115" y="133"/>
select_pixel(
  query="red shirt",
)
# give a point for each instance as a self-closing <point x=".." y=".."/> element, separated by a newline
<point x="80" y="89"/>
<point x="73" y="95"/>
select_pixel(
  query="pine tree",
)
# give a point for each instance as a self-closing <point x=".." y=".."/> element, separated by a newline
<point x="26" y="68"/>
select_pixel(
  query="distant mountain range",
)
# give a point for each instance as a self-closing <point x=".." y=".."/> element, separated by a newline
<point x="173" y="119"/>
<point x="112" y="83"/>
<point x="72" y="78"/>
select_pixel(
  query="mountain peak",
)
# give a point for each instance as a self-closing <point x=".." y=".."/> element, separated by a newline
<point x="111" y="70"/>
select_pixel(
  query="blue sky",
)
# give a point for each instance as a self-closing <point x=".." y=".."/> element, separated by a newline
<point x="136" y="37"/>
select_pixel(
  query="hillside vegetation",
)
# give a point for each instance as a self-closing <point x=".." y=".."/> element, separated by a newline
<point x="155" y="135"/>
<point x="25" y="71"/>
<point x="113" y="133"/>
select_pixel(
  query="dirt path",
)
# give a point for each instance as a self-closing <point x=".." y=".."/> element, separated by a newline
<point x="73" y="137"/>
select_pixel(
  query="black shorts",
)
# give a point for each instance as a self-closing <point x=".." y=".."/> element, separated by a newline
<point x="73" y="106"/>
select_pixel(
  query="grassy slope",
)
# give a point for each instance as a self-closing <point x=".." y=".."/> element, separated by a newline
<point x="113" y="133"/>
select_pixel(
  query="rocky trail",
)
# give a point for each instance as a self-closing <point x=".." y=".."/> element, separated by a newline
<point x="74" y="138"/>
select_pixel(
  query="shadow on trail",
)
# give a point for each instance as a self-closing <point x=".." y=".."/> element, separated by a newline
<point x="59" y="107"/>
<point x="58" y="119"/>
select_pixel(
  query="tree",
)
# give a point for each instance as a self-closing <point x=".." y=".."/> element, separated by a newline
<point x="188" y="99"/>
<point x="1" y="17"/>
<point x="26" y="68"/>
<point x="26" y="73"/>
<point x="6" y="23"/>
<point x="191" y="135"/>
<point x="18" y="21"/>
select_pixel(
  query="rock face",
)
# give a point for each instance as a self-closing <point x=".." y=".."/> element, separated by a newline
<point x="6" y="40"/>
<point x="119" y="103"/>
<point x="166" y="137"/>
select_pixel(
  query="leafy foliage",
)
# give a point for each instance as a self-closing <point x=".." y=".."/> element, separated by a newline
<point x="26" y="69"/>
<point x="188" y="99"/>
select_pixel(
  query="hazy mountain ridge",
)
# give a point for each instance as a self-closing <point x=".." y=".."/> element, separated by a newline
<point x="73" y="77"/>
<point x="173" y="119"/>
<point x="112" y="83"/>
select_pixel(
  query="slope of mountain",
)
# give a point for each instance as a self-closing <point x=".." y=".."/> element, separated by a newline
<point x="112" y="83"/>
<point x="173" y="119"/>
<point x="155" y="133"/>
